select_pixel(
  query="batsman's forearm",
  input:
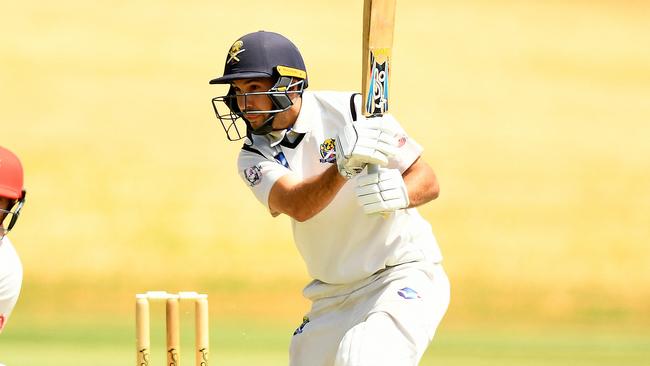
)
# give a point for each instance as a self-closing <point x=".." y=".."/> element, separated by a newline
<point x="421" y="183"/>
<point x="304" y="199"/>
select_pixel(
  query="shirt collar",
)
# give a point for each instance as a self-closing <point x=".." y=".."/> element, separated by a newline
<point x="275" y="137"/>
<point x="308" y="110"/>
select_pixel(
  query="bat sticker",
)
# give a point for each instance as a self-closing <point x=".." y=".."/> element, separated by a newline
<point x="377" y="102"/>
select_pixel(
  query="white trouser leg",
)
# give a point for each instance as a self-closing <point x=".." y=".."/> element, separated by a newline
<point x="388" y="322"/>
<point x="398" y="330"/>
<point x="377" y="342"/>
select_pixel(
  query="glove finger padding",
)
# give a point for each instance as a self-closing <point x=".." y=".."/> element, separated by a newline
<point x="379" y="150"/>
<point x="377" y="137"/>
<point x="383" y="191"/>
<point x="369" y="141"/>
<point x="385" y="124"/>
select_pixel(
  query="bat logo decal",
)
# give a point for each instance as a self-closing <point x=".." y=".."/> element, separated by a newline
<point x="377" y="102"/>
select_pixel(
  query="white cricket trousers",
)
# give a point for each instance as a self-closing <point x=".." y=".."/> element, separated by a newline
<point x="388" y="319"/>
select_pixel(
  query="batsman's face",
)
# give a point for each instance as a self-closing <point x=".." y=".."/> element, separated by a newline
<point x="251" y="103"/>
<point x="4" y="205"/>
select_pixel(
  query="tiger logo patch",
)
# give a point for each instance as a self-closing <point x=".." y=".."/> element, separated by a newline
<point x="328" y="151"/>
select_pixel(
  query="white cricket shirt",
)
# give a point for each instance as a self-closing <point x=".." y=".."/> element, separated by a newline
<point x="341" y="244"/>
<point x="11" y="278"/>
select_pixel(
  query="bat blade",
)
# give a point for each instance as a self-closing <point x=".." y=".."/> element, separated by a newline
<point x="378" y="27"/>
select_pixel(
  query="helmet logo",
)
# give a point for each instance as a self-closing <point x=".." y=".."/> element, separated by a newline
<point x="235" y="50"/>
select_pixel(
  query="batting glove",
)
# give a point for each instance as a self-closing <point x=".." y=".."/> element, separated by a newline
<point x="382" y="192"/>
<point x="368" y="141"/>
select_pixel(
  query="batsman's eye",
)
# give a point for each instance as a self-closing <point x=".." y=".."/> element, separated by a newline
<point x="254" y="87"/>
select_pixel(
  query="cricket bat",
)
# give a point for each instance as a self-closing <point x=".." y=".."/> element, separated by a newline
<point x="377" y="46"/>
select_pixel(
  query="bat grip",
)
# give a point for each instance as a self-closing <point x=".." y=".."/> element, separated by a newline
<point x="373" y="168"/>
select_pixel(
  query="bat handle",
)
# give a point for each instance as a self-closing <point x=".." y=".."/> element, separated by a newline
<point x="373" y="168"/>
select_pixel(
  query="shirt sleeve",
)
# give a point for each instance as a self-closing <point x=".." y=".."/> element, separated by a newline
<point x="260" y="174"/>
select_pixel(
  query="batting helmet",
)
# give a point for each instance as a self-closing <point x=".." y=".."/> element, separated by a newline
<point x="260" y="55"/>
<point x="11" y="187"/>
<point x="11" y="175"/>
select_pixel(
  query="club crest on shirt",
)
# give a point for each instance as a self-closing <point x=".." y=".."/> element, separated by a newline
<point x="328" y="151"/>
<point x="408" y="293"/>
<point x="253" y="175"/>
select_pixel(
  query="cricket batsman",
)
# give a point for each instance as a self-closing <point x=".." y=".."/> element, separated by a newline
<point x="379" y="290"/>
<point x="12" y="198"/>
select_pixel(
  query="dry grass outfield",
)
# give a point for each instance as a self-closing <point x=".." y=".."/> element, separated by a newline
<point x="534" y="115"/>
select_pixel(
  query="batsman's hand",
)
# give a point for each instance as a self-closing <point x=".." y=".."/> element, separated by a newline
<point x="382" y="192"/>
<point x="367" y="141"/>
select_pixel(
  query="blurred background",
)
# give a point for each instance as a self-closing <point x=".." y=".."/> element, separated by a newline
<point x="534" y="115"/>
